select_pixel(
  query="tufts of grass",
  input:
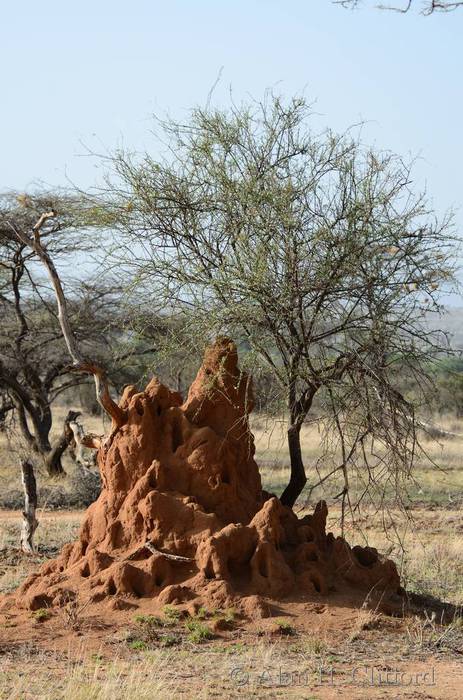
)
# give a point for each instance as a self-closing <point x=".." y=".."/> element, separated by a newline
<point x="314" y="646"/>
<point x="229" y="615"/>
<point x="148" y="627"/>
<point x="41" y="615"/>
<point x="366" y="620"/>
<point x="138" y="645"/>
<point x="72" y="614"/>
<point x="198" y="632"/>
<point x="171" y="613"/>
<point x="229" y="649"/>
<point x="202" y="613"/>
<point x="436" y="568"/>
<point x="150" y="621"/>
<point x="284" y="627"/>
<point x="425" y="634"/>
<point x="148" y="633"/>
<point x="170" y="640"/>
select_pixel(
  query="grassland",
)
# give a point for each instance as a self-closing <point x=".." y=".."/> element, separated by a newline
<point x="426" y="540"/>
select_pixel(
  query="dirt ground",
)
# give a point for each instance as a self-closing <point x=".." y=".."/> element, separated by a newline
<point x="306" y="649"/>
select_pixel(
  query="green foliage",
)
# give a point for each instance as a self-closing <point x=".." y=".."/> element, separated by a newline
<point x="138" y="645"/>
<point x="312" y="251"/>
<point x="229" y="615"/>
<point x="447" y="394"/>
<point x="41" y="615"/>
<point x="150" y="628"/>
<point x="202" y="613"/>
<point x="285" y="627"/>
<point x="314" y="645"/>
<point x="171" y="613"/>
<point x="149" y="621"/>
<point x="170" y="640"/>
<point x="198" y="631"/>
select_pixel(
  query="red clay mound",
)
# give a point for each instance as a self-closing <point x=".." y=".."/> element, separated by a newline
<point x="182" y="514"/>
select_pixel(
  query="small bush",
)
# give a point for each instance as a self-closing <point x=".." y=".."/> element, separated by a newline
<point x="171" y="613"/>
<point x="148" y="628"/>
<point x="202" y="613"/>
<point x="41" y="614"/>
<point x="84" y="487"/>
<point x="284" y="627"/>
<point x="138" y="645"/>
<point x="198" y="631"/>
<point x="72" y="613"/>
<point x="229" y="615"/>
<point x="149" y="621"/>
<point x="314" y="645"/>
<point x="170" y="640"/>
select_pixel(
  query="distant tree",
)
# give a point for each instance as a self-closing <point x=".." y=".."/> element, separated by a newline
<point x="448" y="379"/>
<point x="173" y="361"/>
<point x="428" y="7"/>
<point x="312" y="248"/>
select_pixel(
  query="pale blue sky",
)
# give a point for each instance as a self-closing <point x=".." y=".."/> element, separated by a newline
<point x="95" y="71"/>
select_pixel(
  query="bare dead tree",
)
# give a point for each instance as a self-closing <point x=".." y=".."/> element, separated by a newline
<point x="80" y="363"/>
<point x="30" y="522"/>
<point x="34" y="360"/>
<point x="83" y="439"/>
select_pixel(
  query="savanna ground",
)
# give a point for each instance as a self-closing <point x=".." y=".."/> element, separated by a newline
<point x="340" y="650"/>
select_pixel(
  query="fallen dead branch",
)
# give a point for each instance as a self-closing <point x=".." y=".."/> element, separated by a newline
<point x="151" y="548"/>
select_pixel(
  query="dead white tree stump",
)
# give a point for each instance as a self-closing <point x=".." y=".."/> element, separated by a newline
<point x="30" y="522"/>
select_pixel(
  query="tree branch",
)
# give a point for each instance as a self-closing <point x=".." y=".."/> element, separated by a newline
<point x="80" y="363"/>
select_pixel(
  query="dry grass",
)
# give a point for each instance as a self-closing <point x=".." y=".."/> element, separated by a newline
<point x="427" y="543"/>
<point x="263" y="669"/>
<point x="10" y="452"/>
<point x="55" y="529"/>
<point x="303" y="667"/>
<point x="440" y="485"/>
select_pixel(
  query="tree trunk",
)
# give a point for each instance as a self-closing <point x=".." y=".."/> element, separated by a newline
<point x="39" y="440"/>
<point x="81" y="440"/>
<point x="53" y="457"/>
<point x="298" y="478"/>
<point x="5" y="408"/>
<point x="30" y="522"/>
<point x="24" y="427"/>
<point x="42" y="438"/>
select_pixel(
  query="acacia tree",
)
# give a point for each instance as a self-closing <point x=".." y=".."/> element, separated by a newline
<point x="428" y="7"/>
<point x="312" y="248"/>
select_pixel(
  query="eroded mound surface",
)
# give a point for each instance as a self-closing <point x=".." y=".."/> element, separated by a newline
<point x="182" y="514"/>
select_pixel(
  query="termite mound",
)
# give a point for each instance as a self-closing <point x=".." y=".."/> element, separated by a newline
<point x="182" y="515"/>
